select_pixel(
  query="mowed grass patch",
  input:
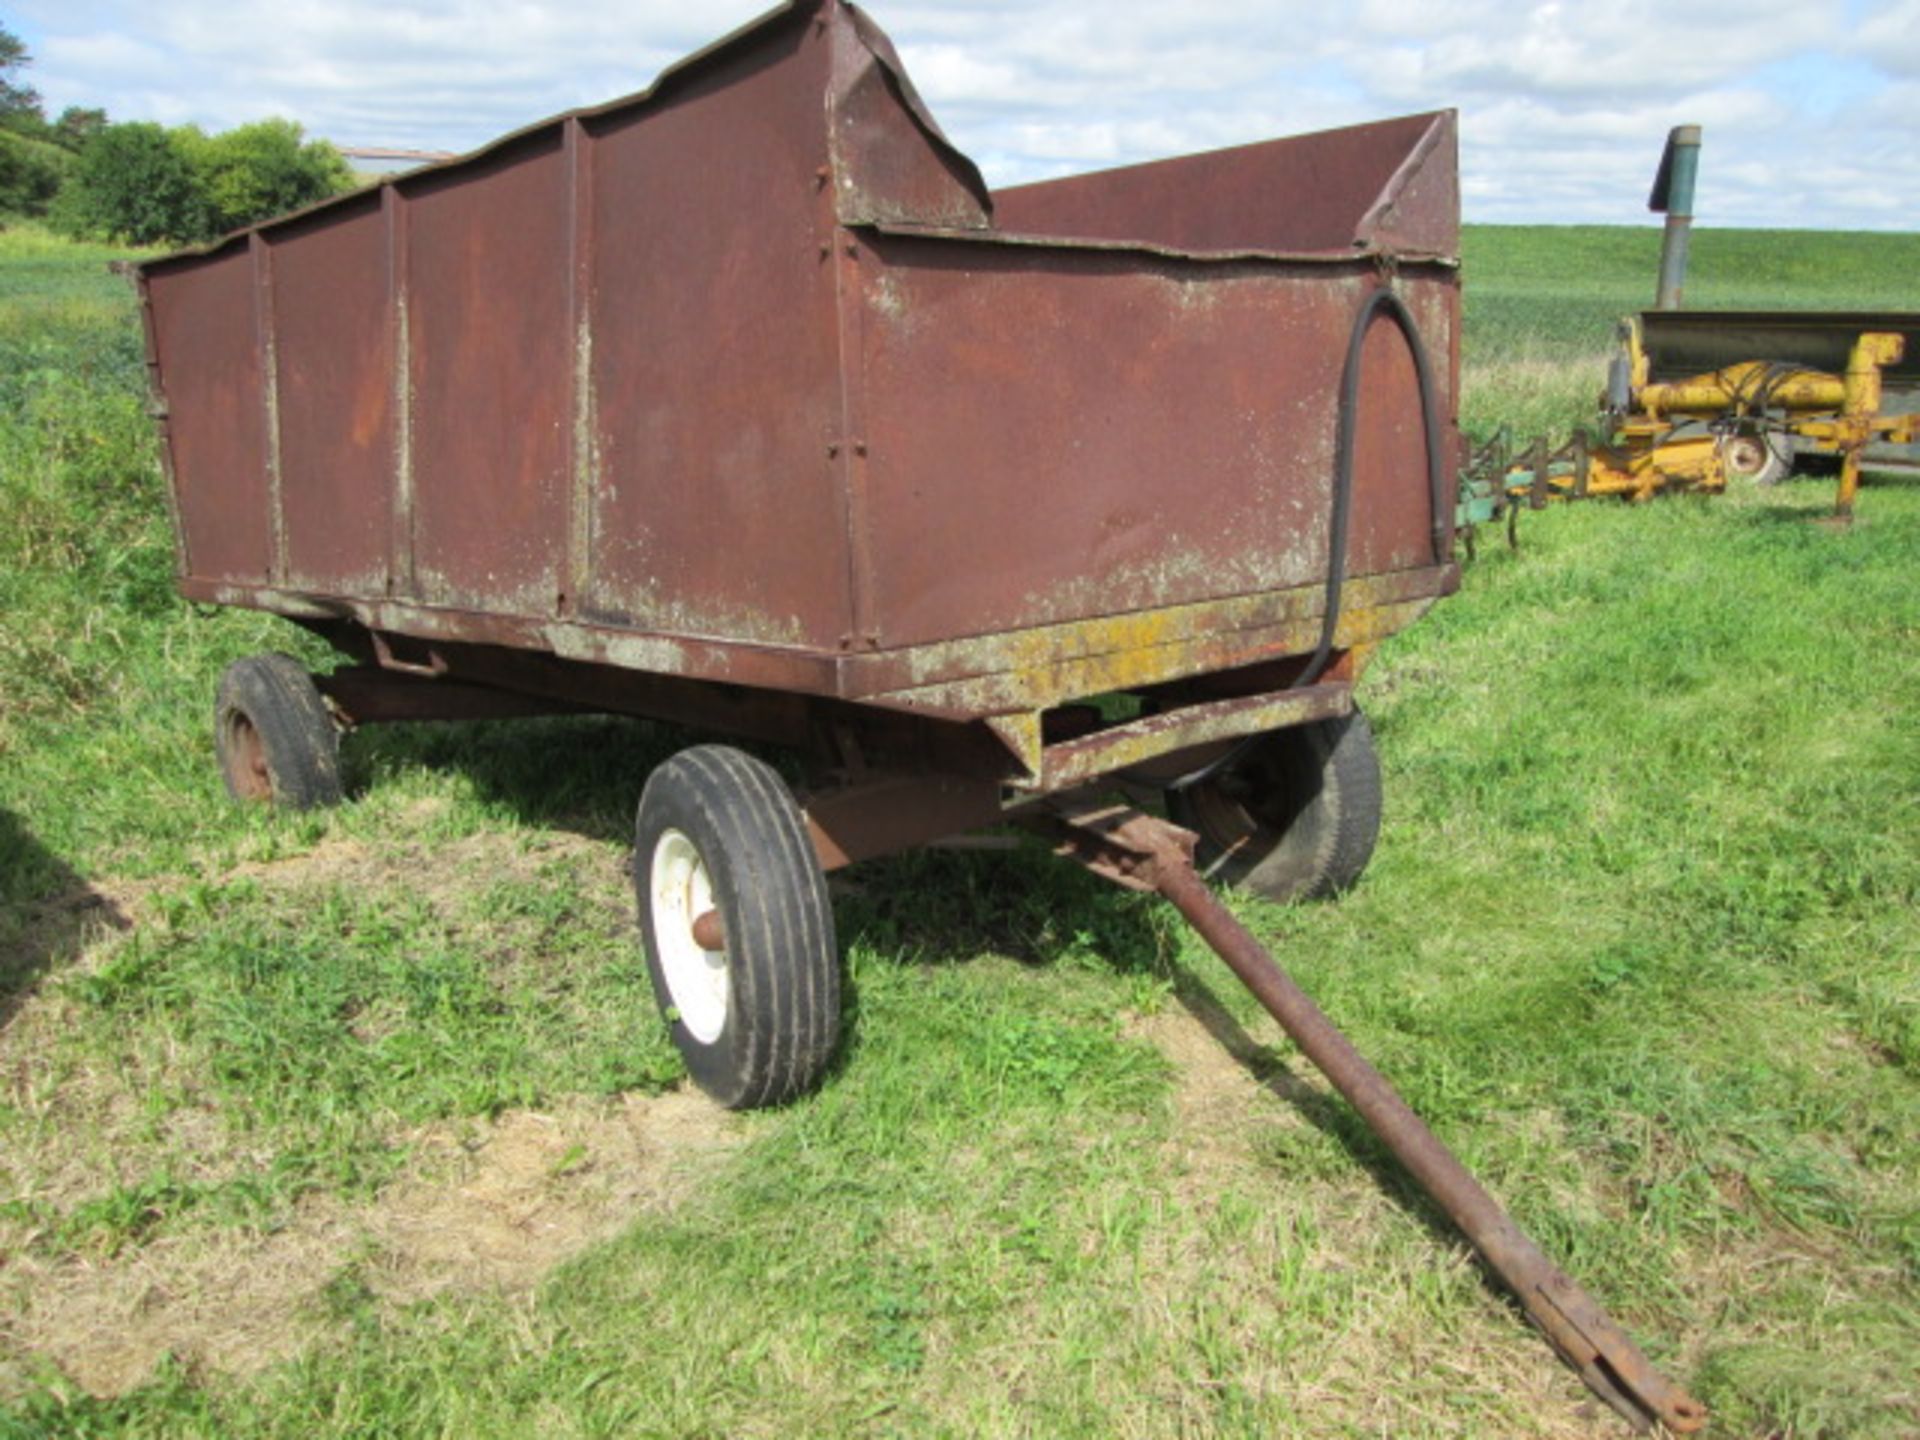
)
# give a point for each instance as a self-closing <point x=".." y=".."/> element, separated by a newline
<point x="1639" y="940"/>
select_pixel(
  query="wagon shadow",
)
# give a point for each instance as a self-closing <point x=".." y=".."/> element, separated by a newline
<point x="579" y="773"/>
<point x="923" y="908"/>
<point x="934" y="908"/>
<point x="48" y="912"/>
<point x="1277" y="1074"/>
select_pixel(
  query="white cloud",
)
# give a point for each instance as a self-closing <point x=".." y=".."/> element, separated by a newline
<point x="1889" y="37"/>
<point x="1812" y="117"/>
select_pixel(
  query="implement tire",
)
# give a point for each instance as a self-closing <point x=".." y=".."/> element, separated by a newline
<point x="1296" y="817"/>
<point x="276" y="739"/>
<point x="754" y="1005"/>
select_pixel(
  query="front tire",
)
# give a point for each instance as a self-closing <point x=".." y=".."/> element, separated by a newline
<point x="1297" y="817"/>
<point x="276" y="739"/>
<point x="737" y="927"/>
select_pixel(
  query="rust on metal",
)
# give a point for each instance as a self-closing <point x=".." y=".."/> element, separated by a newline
<point x="709" y="931"/>
<point x="1144" y="853"/>
<point x="1123" y="747"/>
<point x="891" y="813"/>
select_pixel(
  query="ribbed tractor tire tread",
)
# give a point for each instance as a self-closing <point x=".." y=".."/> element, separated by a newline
<point x="1356" y="768"/>
<point x="297" y="732"/>
<point x="1326" y="777"/>
<point x="783" y="1016"/>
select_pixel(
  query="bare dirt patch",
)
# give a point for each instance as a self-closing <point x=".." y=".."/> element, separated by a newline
<point x="489" y="1208"/>
<point x="1229" y="1086"/>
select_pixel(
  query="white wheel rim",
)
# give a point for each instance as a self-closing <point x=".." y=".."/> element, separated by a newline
<point x="680" y="891"/>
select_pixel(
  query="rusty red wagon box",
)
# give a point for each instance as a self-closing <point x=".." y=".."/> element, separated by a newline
<point x="743" y="403"/>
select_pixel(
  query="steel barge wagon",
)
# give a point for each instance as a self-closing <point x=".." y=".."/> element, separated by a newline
<point x="742" y="404"/>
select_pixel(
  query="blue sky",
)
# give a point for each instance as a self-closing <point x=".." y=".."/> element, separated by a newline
<point x="1812" y="110"/>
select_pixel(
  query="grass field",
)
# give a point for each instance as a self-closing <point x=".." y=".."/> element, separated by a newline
<point x="362" y="1123"/>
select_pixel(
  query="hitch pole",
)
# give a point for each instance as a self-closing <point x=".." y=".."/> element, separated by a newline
<point x="1145" y="853"/>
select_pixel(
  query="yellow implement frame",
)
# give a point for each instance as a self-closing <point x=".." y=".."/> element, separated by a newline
<point x="1743" y="421"/>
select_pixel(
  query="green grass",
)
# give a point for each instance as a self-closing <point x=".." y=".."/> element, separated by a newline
<point x="1640" y="941"/>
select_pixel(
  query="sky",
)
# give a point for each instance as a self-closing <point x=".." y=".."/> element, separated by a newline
<point x="1811" y="108"/>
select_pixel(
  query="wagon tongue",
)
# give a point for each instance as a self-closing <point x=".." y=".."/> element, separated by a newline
<point x="1142" y="852"/>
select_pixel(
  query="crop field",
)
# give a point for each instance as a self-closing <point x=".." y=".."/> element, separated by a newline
<point x="364" y="1123"/>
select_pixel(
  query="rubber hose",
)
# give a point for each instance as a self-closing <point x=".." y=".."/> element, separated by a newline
<point x="1343" y="463"/>
<point x="1342" y="508"/>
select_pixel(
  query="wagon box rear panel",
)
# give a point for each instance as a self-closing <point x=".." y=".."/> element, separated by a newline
<point x="1060" y="433"/>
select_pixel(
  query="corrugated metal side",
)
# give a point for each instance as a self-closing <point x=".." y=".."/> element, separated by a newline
<point x="206" y="344"/>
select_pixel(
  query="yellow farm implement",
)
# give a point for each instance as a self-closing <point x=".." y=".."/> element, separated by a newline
<point x="1697" y="399"/>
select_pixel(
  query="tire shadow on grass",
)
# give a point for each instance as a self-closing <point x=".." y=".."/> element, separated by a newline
<point x="582" y="773"/>
<point x="48" y="912"/>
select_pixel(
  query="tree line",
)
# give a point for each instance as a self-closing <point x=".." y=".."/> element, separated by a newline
<point x="140" y="183"/>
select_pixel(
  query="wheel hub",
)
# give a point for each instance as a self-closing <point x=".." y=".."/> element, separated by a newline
<point x="680" y="893"/>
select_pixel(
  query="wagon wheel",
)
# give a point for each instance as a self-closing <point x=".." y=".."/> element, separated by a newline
<point x="737" y="928"/>
<point x="1763" y="456"/>
<point x="1294" y="818"/>
<point x="276" y="739"/>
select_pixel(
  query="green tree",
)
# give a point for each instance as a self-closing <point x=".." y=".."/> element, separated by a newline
<point x="31" y="172"/>
<point x="77" y="125"/>
<point x="261" y="170"/>
<point x="133" y="182"/>
<point x="19" y="102"/>
<point x="139" y="183"/>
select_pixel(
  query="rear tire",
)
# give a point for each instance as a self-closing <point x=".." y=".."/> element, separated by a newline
<point x="756" y="1019"/>
<point x="1296" y="817"/>
<point x="276" y="739"/>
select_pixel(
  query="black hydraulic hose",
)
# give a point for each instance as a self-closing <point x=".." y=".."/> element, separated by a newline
<point x="1337" y="524"/>
<point x="1342" y="506"/>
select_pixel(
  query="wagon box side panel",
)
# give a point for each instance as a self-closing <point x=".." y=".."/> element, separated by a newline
<point x="1058" y="434"/>
<point x="334" y="366"/>
<point x="207" y="344"/>
<point x="719" y="507"/>
<point x="491" y="423"/>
